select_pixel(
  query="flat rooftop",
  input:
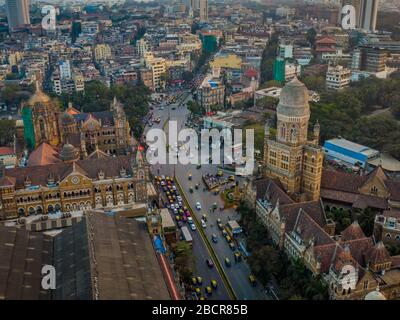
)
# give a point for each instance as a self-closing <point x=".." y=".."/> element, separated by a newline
<point x="355" y="147"/>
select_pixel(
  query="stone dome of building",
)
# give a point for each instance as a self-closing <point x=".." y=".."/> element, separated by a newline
<point x="375" y="295"/>
<point x="68" y="152"/>
<point x="293" y="100"/>
<point x="67" y="118"/>
<point x="39" y="97"/>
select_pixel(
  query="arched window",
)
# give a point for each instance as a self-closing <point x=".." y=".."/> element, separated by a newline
<point x="283" y="131"/>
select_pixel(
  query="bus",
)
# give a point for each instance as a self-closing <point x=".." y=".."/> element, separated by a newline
<point x="186" y="234"/>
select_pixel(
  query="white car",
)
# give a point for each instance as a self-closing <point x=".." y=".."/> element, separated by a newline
<point x="203" y="223"/>
<point x="190" y="220"/>
<point x="198" y="206"/>
<point x="192" y="226"/>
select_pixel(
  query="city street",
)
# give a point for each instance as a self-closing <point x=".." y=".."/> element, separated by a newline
<point x="238" y="272"/>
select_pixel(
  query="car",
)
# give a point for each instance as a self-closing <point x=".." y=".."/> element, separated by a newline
<point x="198" y="166"/>
<point x="227" y="262"/>
<point x="252" y="280"/>
<point x="209" y="262"/>
<point x="190" y="176"/>
<point x="199" y="280"/>
<point x="231" y="178"/>
<point x="180" y="224"/>
<point x="184" y="218"/>
<point x="214" y="238"/>
<point x="203" y="223"/>
<point x="197" y="185"/>
<point x="228" y="239"/>
<point x="214" y="206"/>
<point x="224" y="232"/>
<point x="179" y="198"/>
<point x="197" y="290"/>
<point x="204" y="217"/>
<point x="194" y="281"/>
<point x="220" y="226"/>
<point x="208" y="290"/>
<point x="190" y="219"/>
<point x="220" y="173"/>
<point x="178" y="218"/>
<point x="238" y="256"/>
<point x="232" y="246"/>
<point x="202" y="298"/>
<point x="218" y="220"/>
<point x="175" y="211"/>
<point x="192" y="226"/>
<point x="214" y="283"/>
<point x="191" y="190"/>
<point x="198" y="206"/>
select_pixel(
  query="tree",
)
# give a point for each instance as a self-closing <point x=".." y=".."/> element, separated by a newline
<point x="311" y="36"/>
<point x="315" y="83"/>
<point x="195" y="108"/>
<point x="7" y="132"/>
<point x="267" y="103"/>
<point x="187" y="76"/>
<point x="366" y="219"/>
<point x="184" y="259"/>
<point x="265" y="263"/>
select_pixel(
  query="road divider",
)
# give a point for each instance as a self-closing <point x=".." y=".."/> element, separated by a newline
<point x="214" y="257"/>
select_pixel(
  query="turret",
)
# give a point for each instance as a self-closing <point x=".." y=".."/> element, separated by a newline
<point x="316" y="132"/>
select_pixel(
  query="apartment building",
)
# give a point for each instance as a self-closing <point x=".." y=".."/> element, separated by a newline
<point x="337" y="78"/>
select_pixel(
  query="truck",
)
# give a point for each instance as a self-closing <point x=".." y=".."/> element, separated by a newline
<point x="186" y="235"/>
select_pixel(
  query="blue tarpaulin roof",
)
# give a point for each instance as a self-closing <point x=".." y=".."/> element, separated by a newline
<point x="158" y="244"/>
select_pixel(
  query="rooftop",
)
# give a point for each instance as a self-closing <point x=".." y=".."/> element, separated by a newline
<point x="349" y="145"/>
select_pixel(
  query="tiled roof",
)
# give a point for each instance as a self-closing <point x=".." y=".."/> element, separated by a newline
<point x="43" y="155"/>
<point x="341" y="181"/>
<point x="90" y="167"/>
<point x="325" y="255"/>
<point x="359" y="248"/>
<point x="308" y="229"/>
<point x="377" y="254"/>
<point x="352" y="232"/>
<point x="392" y="213"/>
<point x="269" y="189"/>
<point x="4" y="151"/>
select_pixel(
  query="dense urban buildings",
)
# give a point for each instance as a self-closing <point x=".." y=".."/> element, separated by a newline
<point x="315" y="218"/>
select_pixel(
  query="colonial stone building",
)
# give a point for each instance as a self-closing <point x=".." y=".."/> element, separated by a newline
<point x="290" y="156"/>
<point x="107" y="131"/>
<point x="288" y="203"/>
<point x="72" y="186"/>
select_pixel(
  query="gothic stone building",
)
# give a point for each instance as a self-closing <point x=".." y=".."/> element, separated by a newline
<point x="107" y="131"/>
<point x="71" y="186"/>
<point x="288" y="203"/>
<point x="290" y="156"/>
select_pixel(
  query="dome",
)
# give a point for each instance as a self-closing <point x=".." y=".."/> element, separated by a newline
<point x="67" y="118"/>
<point x="293" y="100"/>
<point x="375" y="295"/>
<point x="68" y="152"/>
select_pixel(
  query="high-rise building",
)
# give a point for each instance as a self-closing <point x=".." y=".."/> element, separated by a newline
<point x="17" y="14"/>
<point x="369" y="14"/>
<point x="203" y="10"/>
<point x="366" y="13"/>
<point x="357" y="6"/>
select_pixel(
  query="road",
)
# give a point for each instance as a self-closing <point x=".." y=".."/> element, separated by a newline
<point x="238" y="273"/>
<point x="200" y="250"/>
